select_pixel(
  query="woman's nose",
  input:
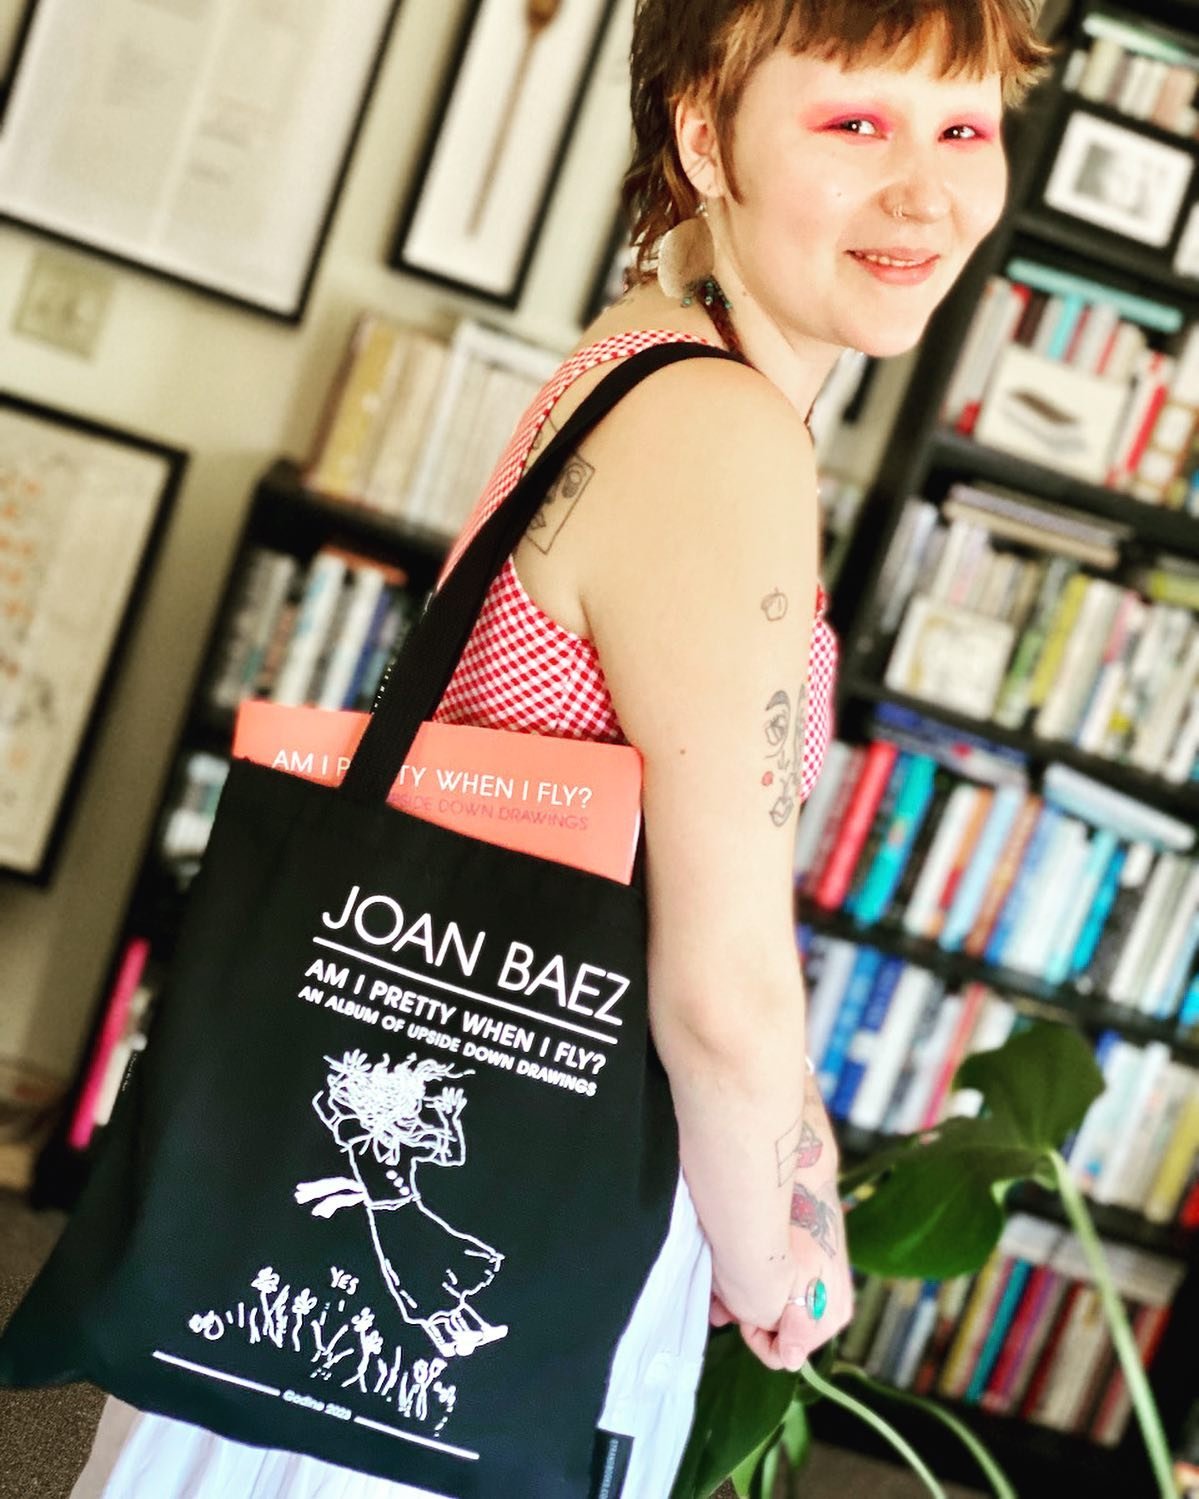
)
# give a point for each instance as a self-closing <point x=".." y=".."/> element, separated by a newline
<point x="920" y="193"/>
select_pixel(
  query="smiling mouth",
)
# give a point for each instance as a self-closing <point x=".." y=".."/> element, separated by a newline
<point x="894" y="262"/>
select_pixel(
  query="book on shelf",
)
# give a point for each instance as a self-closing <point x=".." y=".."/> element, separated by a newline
<point x="488" y="380"/>
<point x="1002" y="512"/>
<point x="1059" y="368"/>
<point x="187" y="823"/>
<point x="951" y="655"/>
<point x="1081" y="659"/>
<point x="119" y="1027"/>
<point x="1025" y="1336"/>
<point x="1075" y="883"/>
<point x="320" y="633"/>
<point x="353" y="423"/>
<point x="1139" y="73"/>
<point x="415" y="425"/>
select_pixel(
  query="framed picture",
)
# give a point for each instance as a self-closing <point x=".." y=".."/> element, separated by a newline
<point x="497" y="143"/>
<point x="1044" y="410"/>
<point x="15" y="19"/>
<point x="82" y="509"/>
<point x="205" y="142"/>
<point x="1119" y="179"/>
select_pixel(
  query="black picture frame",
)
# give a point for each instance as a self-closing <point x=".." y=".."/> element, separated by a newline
<point x="61" y="443"/>
<point x="21" y="16"/>
<point x="506" y="288"/>
<point x="292" y="302"/>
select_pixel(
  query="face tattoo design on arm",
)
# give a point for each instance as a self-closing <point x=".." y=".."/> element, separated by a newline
<point x="785" y="739"/>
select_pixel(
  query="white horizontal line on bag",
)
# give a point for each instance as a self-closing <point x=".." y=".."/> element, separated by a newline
<point x="407" y="1436"/>
<point x="249" y="1384"/>
<point x="483" y="999"/>
<point x="266" y="1389"/>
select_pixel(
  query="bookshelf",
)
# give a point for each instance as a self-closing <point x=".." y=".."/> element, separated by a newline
<point x="926" y="456"/>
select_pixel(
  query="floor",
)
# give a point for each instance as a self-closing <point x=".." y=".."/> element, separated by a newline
<point x="45" y="1435"/>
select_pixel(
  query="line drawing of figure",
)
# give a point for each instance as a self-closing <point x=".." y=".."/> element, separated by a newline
<point x="387" y="1124"/>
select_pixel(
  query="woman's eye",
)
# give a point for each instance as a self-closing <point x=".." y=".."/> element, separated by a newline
<point x="972" y="134"/>
<point x="857" y="127"/>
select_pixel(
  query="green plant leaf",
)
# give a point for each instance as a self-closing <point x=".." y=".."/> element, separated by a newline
<point x="1041" y="1083"/>
<point x="797" y="1435"/>
<point x="935" y="1209"/>
<point x="745" y="1473"/>
<point x="938" y="1212"/>
<point x="740" y="1406"/>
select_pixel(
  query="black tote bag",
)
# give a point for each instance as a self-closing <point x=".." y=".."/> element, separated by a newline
<point x="310" y="1232"/>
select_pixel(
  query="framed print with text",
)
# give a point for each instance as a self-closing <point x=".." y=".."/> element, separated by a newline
<point x="82" y="509"/>
<point x="205" y="140"/>
<point x="497" y="143"/>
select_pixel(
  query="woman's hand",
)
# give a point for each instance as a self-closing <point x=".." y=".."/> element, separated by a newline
<point x="818" y="1251"/>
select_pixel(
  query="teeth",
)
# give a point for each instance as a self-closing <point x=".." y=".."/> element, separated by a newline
<point x="887" y="260"/>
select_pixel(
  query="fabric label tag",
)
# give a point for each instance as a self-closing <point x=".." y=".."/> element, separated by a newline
<point x="611" y="1464"/>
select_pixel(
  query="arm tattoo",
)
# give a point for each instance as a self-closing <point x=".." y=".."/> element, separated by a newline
<point x="818" y="1216"/>
<point x="785" y="740"/>
<point x="546" y="526"/>
<point x="775" y="606"/>
<point x="798" y="1150"/>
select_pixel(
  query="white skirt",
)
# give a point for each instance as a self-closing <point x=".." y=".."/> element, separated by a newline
<point x="650" y="1398"/>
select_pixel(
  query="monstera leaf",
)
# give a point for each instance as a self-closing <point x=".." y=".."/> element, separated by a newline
<point x="932" y="1207"/>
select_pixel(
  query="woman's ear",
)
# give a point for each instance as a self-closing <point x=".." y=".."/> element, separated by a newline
<point x="699" y="149"/>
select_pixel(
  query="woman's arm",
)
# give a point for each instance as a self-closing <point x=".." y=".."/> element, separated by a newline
<point x="700" y="590"/>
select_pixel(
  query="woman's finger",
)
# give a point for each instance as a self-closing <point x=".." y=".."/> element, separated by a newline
<point x="762" y="1345"/>
<point x="719" y="1314"/>
<point x="795" y="1337"/>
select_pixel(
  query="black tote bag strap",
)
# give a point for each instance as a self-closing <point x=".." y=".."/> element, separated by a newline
<point x="422" y="671"/>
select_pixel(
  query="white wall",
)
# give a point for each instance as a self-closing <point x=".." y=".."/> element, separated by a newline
<point x="237" y="390"/>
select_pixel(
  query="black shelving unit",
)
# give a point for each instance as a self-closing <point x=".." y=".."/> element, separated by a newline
<point x="1179" y="801"/>
<point x="925" y="458"/>
<point x="1066" y="1002"/>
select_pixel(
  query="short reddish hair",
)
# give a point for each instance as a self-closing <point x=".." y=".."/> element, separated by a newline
<point x="710" y="48"/>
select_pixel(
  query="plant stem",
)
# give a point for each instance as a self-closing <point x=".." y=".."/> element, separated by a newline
<point x="997" y="1478"/>
<point x="1117" y="1320"/>
<point x="884" y="1428"/>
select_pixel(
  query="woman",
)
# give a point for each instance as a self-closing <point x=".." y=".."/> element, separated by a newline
<point x="845" y="156"/>
<point x="387" y="1124"/>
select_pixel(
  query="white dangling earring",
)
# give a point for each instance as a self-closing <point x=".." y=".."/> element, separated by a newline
<point x="686" y="255"/>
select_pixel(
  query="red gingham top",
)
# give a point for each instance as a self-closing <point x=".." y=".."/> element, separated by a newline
<point x="522" y="670"/>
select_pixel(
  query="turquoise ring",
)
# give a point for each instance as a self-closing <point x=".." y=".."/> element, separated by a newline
<point x="816" y="1299"/>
